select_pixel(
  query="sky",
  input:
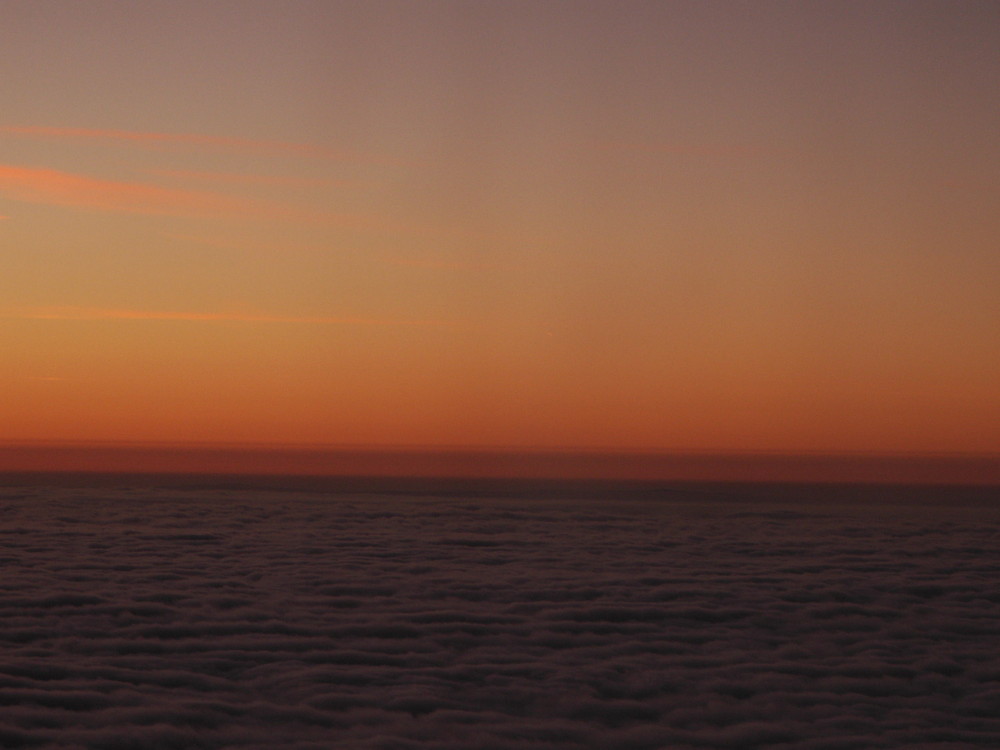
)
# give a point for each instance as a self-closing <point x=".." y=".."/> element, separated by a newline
<point x="657" y="226"/>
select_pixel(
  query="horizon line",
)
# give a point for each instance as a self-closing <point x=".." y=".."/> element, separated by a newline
<point x="280" y="446"/>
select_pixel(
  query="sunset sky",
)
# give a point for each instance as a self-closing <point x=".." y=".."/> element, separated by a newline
<point x="676" y="226"/>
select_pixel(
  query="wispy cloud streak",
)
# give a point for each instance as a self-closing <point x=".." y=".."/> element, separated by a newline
<point x="90" y="313"/>
<point x="53" y="187"/>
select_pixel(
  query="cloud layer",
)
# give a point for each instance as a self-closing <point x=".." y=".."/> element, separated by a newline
<point x="170" y="619"/>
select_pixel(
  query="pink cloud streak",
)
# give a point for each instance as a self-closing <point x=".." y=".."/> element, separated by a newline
<point x="53" y="187"/>
<point x="89" y="313"/>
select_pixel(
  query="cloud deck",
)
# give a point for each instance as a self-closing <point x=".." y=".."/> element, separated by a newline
<point x="211" y="619"/>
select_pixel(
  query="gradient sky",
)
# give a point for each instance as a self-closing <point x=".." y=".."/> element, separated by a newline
<point x="660" y="225"/>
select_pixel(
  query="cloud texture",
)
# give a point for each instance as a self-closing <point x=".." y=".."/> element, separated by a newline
<point x="226" y="618"/>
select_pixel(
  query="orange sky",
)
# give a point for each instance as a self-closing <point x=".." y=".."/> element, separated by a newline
<point x="679" y="226"/>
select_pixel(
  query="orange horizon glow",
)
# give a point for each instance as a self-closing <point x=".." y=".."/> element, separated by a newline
<point x="679" y="227"/>
<point x="494" y="463"/>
